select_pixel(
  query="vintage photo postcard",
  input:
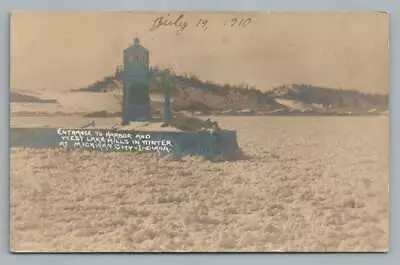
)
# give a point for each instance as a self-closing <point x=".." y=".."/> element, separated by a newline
<point x="199" y="132"/>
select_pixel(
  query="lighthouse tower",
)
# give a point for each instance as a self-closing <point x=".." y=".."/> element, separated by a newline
<point x="136" y="97"/>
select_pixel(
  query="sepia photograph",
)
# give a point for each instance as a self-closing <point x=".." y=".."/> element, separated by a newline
<point x="199" y="131"/>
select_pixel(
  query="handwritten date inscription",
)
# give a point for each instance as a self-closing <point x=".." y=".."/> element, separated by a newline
<point x="180" y="23"/>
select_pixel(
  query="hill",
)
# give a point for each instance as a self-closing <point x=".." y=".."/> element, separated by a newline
<point x="189" y="93"/>
<point x="331" y="98"/>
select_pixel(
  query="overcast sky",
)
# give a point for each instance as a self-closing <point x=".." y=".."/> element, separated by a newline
<point x="60" y="51"/>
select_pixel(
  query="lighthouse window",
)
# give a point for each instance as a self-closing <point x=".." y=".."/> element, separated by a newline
<point x="136" y="57"/>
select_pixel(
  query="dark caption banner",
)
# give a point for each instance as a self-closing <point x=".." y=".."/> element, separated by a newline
<point x="104" y="140"/>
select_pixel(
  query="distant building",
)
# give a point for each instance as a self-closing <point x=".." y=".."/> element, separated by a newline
<point x="136" y="96"/>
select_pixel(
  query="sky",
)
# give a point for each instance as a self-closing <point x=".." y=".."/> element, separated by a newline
<point x="65" y="50"/>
